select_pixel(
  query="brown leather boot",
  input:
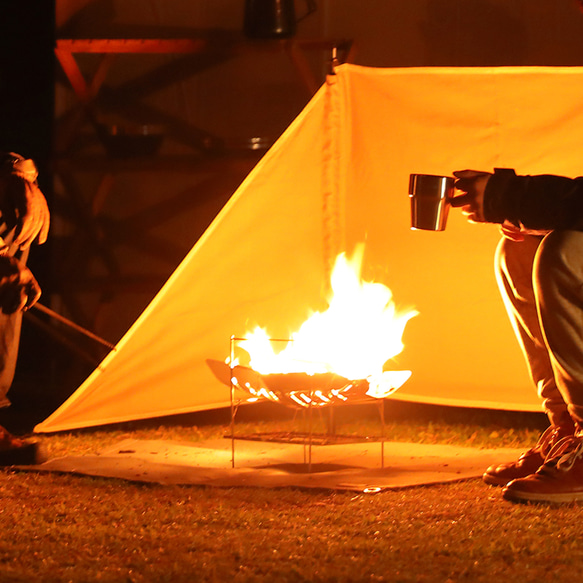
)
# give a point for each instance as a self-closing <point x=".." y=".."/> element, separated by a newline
<point x="558" y="480"/>
<point x="19" y="452"/>
<point x="530" y="461"/>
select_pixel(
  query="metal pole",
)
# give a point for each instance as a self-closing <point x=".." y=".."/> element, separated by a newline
<point x="76" y="327"/>
<point x="232" y="357"/>
<point x="382" y="411"/>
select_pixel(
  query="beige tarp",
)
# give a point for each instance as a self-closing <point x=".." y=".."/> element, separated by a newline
<point x="339" y="176"/>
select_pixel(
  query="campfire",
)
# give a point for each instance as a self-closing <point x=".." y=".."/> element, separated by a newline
<point x="340" y="355"/>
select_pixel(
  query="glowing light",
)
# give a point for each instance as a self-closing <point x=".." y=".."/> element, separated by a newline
<point x="359" y="332"/>
<point x="372" y="490"/>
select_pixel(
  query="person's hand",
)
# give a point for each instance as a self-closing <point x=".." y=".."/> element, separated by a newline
<point x="24" y="209"/>
<point x="511" y="231"/>
<point x="19" y="289"/>
<point x="473" y="184"/>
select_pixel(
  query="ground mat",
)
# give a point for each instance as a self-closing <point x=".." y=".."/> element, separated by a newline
<point x="349" y="466"/>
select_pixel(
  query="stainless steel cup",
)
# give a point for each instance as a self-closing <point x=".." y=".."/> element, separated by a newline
<point x="430" y="196"/>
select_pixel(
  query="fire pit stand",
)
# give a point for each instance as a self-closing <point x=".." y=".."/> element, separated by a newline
<point x="299" y="391"/>
<point x="308" y="438"/>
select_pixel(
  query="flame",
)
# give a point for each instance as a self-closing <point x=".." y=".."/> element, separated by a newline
<point x="354" y="337"/>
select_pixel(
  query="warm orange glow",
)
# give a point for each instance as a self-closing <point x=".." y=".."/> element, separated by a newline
<point x="354" y="338"/>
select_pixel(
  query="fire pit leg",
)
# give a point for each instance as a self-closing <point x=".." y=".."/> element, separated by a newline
<point x="232" y="428"/>
<point x="307" y="441"/>
<point x="331" y="422"/>
<point x="231" y="361"/>
<point x="310" y="417"/>
<point x="304" y="434"/>
<point x="382" y="412"/>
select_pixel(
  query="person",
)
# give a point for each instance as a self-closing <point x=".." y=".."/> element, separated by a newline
<point x="24" y="219"/>
<point x="539" y="269"/>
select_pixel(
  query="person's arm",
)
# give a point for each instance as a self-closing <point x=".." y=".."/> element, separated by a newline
<point x="19" y="289"/>
<point x="536" y="202"/>
<point x="539" y="203"/>
<point x="23" y="207"/>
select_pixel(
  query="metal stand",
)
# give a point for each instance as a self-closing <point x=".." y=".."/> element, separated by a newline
<point x="307" y="433"/>
<point x="382" y="413"/>
<point x="233" y="408"/>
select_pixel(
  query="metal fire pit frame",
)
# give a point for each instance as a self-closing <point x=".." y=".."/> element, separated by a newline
<point x="308" y="438"/>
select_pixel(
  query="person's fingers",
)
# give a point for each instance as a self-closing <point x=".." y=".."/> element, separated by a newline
<point x="46" y="223"/>
<point x="469" y="173"/>
<point x="40" y="215"/>
<point x="22" y="303"/>
<point x="35" y="218"/>
<point x="466" y="184"/>
<point x="466" y="179"/>
<point x="25" y="213"/>
<point x="32" y="295"/>
<point x="461" y="200"/>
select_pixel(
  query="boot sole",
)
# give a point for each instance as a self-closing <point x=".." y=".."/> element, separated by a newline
<point x="559" y="498"/>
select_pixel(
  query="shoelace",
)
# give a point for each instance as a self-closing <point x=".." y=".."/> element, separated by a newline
<point x="544" y="444"/>
<point x="548" y="440"/>
<point x="565" y="453"/>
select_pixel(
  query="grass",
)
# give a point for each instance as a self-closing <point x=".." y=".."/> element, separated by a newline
<point x="80" y="529"/>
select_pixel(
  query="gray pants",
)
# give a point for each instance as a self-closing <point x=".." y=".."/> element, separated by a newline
<point x="541" y="280"/>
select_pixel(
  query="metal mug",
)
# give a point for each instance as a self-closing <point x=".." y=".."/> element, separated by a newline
<point x="430" y="196"/>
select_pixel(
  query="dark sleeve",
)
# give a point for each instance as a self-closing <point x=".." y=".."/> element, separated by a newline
<point x="543" y="202"/>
